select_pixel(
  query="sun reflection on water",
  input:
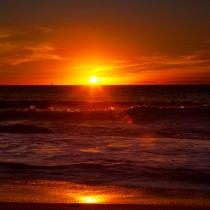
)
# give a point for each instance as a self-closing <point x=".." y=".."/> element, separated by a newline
<point x="91" y="199"/>
<point x="42" y="191"/>
<point x="100" y="194"/>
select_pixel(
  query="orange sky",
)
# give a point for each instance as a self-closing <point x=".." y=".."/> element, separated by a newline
<point x="121" y="42"/>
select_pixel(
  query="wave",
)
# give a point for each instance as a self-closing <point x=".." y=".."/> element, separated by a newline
<point x="24" y="129"/>
<point x="71" y="106"/>
<point x="136" y="114"/>
<point x="15" y="165"/>
<point x="154" y="113"/>
<point x="108" y="173"/>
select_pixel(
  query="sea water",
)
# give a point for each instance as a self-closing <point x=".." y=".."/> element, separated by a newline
<point x="150" y="138"/>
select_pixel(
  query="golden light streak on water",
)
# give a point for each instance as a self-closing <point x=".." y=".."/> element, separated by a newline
<point x="42" y="191"/>
<point x="91" y="199"/>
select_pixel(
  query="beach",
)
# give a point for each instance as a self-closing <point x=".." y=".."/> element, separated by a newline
<point x="60" y="206"/>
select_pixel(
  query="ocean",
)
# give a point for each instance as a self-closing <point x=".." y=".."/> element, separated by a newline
<point x="105" y="144"/>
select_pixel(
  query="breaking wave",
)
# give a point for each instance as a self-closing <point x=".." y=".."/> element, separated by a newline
<point x="137" y="113"/>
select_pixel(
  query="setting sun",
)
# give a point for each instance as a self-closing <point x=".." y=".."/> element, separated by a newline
<point x="93" y="80"/>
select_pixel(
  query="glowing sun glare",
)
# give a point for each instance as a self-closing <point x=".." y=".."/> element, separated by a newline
<point x="90" y="199"/>
<point x="93" y="80"/>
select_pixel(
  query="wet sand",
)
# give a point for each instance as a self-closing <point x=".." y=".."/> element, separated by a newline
<point x="58" y="206"/>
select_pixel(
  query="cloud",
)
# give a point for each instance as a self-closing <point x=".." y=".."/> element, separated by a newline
<point x="32" y="53"/>
<point x="161" y="62"/>
<point x="152" y="64"/>
<point x="19" y="45"/>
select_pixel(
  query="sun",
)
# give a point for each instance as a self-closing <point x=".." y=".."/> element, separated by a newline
<point x="93" y="80"/>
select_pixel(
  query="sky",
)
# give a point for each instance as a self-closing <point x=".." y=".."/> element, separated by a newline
<point x="65" y="42"/>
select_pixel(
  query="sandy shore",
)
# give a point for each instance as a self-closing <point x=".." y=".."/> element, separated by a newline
<point x="45" y="206"/>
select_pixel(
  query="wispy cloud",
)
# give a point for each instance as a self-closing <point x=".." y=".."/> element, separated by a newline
<point x="158" y="62"/>
<point x="26" y="44"/>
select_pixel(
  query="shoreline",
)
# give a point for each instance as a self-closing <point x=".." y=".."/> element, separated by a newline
<point x="65" y="206"/>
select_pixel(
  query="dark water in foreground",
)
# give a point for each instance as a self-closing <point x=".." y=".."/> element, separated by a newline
<point x="155" y="138"/>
